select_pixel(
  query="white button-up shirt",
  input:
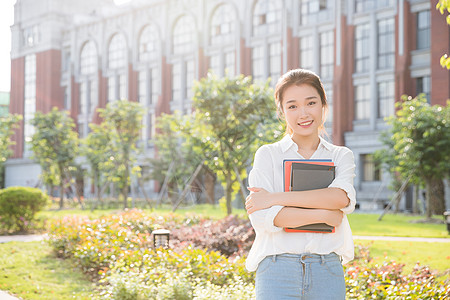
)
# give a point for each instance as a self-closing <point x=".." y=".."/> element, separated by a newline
<point x="267" y="173"/>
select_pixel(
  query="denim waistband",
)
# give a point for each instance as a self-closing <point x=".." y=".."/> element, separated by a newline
<point x="307" y="257"/>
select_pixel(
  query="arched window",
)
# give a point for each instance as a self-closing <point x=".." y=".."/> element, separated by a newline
<point x="117" y="52"/>
<point x="88" y="59"/>
<point x="117" y="68"/>
<point x="223" y="27"/>
<point x="183" y="36"/>
<point x="148" y="44"/>
<point x="266" y="17"/>
<point x="88" y="86"/>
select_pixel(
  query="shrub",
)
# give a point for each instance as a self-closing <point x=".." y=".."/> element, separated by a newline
<point x="231" y="236"/>
<point x="366" y="280"/>
<point x="18" y="207"/>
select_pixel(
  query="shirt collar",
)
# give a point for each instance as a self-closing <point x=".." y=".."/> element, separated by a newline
<point x="286" y="143"/>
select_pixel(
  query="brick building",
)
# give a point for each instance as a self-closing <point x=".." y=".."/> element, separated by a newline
<point x="78" y="55"/>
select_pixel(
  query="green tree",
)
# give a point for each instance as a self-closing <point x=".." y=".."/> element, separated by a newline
<point x="55" y="146"/>
<point x="173" y="152"/>
<point x="123" y="121"/>
<point x="96" y="151"/>
<point x="232" y="117"/>
<point x="442" y="6"/>
<point x="419" y="147"/>
<point x="7" y="125"/>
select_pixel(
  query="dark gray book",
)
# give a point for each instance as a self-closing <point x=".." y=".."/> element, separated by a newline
<point x="306" y="176"/>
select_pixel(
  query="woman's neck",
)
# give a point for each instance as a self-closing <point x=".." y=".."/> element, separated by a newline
<point x="309" y="143"/>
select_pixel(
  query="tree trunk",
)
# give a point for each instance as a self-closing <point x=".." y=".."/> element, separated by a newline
<point x="61" y="194"/>
<point x="437" y="199"/>
<point x="61" y="187"/>
<point x="125" y="187"/>
<point x="428" y="196"/>
<point x="415" y="203"/>
<point x="228" y="193"/>
<point x="209" y="185"/>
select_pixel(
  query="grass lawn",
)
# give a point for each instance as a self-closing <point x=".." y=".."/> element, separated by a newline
<point x="395" y="225"/>
<point x="434" y="255"/>
<point x="206" y="210"/>
<point x="30" y="271"/>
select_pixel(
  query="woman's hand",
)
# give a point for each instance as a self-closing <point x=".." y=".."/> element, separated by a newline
<point x="257" y="200"/>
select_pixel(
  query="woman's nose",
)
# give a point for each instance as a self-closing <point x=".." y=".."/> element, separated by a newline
<point x="302" y="111"/>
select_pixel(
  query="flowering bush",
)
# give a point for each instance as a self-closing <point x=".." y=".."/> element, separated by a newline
<point x="366" y="280"/>
<point x="206" y="260"/>
<point x="230" y="236"/>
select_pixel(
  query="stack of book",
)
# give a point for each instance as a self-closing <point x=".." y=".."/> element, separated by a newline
<point x="308" y="174"/>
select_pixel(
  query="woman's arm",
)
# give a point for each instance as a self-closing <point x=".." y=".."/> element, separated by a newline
<point x="327" y="198"/>
<point x="293" y="217"/>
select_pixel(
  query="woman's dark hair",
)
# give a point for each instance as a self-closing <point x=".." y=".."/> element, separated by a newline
<point x="298" y="77"/>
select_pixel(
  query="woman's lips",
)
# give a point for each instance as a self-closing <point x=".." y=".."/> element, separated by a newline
<point x="305" y="124"/>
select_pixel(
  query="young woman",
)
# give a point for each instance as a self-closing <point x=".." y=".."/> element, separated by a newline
<point x="299" y="265"/>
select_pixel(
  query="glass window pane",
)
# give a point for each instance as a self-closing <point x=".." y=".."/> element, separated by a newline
<point x="190" y="75"/>
<point x="117" y="52"/>
<point x="176" y="82"/>
<point x="230" y="63"/>
<point x="386" y="99"/>
<point x="362" y="102"/>
<point x="326" y="54"/>
<point x="223" y="25"/>
<point x="386" y="44"/>
<point x="148" y="44"/>
<point x="258" y="63"/>
<point x="306" y="52"/>
<point x="88" y="59"/>
<point x="183" y="35"/>
<point x="362" y="48"/>
<point x="274" y="62"/>
<point x="266" y="17"/>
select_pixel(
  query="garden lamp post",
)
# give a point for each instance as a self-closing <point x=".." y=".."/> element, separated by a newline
<point x="161" y="238"/>
<point x="447" y="220"/>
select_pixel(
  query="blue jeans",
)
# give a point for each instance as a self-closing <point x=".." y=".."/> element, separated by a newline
<point x="300" y="276"/>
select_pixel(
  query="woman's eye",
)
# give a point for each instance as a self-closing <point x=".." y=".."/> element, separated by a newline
<point x="291" y="107"/>
<point x="312" y="103"/>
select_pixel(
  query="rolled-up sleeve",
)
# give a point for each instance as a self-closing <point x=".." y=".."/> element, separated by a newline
<point x="261" y="176"/>
<point x="345" y="173"/>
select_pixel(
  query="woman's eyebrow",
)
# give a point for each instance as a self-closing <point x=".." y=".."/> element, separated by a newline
<point x="307" y="98"/>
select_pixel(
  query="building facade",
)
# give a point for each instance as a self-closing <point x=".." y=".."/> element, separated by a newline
<point x="79" y="55"/>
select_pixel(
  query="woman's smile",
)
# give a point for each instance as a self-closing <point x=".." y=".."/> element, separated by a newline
<point x="305" y="124"/>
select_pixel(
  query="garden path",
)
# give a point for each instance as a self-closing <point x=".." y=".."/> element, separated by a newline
<point x="5" y="296"/>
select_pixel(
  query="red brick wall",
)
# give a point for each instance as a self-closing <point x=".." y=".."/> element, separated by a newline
<point x="17" y="101"/>
<point x="246" y="59"/>
<point x="163" y="105"/>
<point x="75" y="101"/>
<point x="343" y="103"/>
<point x="49" y="92"/>
<point x="404" y="84"/>
<point x="132" y="84"/>
<point x="293" y="59"/>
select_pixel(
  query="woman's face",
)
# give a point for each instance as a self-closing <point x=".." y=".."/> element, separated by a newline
<point x="302" y="108"/>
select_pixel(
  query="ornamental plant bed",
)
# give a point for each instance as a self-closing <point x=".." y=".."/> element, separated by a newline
<point x="206" y="260"/>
